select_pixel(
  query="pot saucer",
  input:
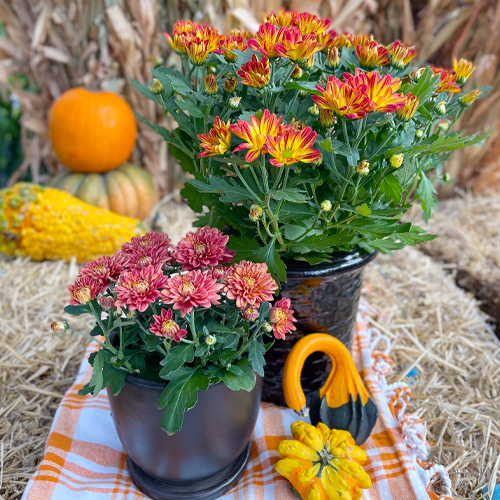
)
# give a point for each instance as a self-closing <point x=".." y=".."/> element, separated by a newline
<point x="206" y="489"/>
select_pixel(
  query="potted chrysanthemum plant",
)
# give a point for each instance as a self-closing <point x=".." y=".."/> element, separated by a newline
<point x="180" y="328"/>
<point x="308" y="147"/>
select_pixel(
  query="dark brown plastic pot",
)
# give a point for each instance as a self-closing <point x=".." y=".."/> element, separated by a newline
<point x="201" y="461"/>
<point x="325" y="299"/>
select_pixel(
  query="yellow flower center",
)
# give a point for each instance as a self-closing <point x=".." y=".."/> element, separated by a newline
<point x="279" y="315"/>
<point x="199" y="248"/>
<point x="82" y="295"/>
<point x="249" y="281"/>
<point x="140" y="286"/>
<point x="186" y="288"/>
<point x="145" y="260"/>
<point x="168" y="325"/>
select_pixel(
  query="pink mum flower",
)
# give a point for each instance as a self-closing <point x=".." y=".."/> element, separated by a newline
<point x="282" y="318"/>
<point x="139" y="288"/>
<point x="206" y="247"/>
<point x="106" y="302"/>
<point x="193" y="289"/>
<point x="220" y="273"/>
<point x="84" y="290"/>
<point x="250" y="284"/>
<point x="105" y="269"/>
<point x="165" y="326"/>
<point x="151" y="249"/>
<point x="251" y="313"/>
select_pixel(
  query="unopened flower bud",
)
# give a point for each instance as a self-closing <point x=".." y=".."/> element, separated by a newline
<point x="440" y="108"/>
<point x="157" y="87"/>
<point x="443" y="125"/>
<point x="59" y="326"/>
<point x="211" y="68"/>
<point x="211" y="84"/>
<point x="297" y="170"/>
<point x="318" y="162"/>
<point x="297" y="72"/>
<point x="308" y="63"/>
<point x="313" y="110"/>
<point x="418" y="74"/>
<point x="333" y="60"/>
<point x="419" y="133"/>
<point x="117" y="313"/>
<point x="363" y="168"/>
<point x="396" y="160"/>
<point x="267" y="327"/>
<point x="132" y="315"/>
<point x="234" y="102"/>
<point x="255" y="213"/>
<point x="229" y="84"/>
<point x="446" y="177"/>
<point x="326" y="205"/>
<point x="210" y="340"/>
<point x="303" y="93"/>
<point x="467" y="99"/>
<point x="155" y="61"/>
<point x="326" y="117"/>
<point x="106" y="302"/>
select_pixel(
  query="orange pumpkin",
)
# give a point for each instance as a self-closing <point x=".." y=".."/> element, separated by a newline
<point x="128" y="190"/>
<point x="92" y="131"/>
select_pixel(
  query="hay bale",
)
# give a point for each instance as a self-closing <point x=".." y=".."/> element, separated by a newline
<point x="438" y="329"/>
<point x="469" y="244"/>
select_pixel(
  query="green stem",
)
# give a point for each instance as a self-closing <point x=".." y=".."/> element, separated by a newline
<point x="242" y="179"/>
<point x="273" y="220"/>
<point x="192" y="326"/>
<point x="344" y="129"/>
<point x="310" y="229"/>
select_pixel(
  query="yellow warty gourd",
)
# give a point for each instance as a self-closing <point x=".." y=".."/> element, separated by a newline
<point x="49" y="224"/>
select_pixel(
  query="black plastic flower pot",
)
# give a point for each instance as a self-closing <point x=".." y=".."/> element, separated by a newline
<point x="201" y="461"/>
<point x="325" y="299"/>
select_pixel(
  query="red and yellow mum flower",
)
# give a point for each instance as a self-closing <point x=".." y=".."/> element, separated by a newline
<point x="463" y="69"/>
<point x="181" y="30"/>
<point x="326" y="38"/>
<point x="217" y="141"/>
<point x="372" y="55"/>
<point x="343" y="40"/>
<point x="310" y="23"/>
<point x="293" y="146"/>
<point x="201" y="43"/>
<point x="381" y="91"/>
<point x="165" y="326"/>
<point x="408" y="110"/>
<point x="363" y="40"/>
<point x="255" y="73"/>
<point x="296" y="47"/>
<point x="266" y="39"/>
<point x="282" y="318"/>
<point x="283" y="18"/>
<point x="447" y="80"/>
<point x="255" y="134"/>
<point x="250" y="284"/>
<point x="400" y="54"/>
<point x="343" y="99"/>
<point x="139" y="288"/>
<point x="230" y="43"/>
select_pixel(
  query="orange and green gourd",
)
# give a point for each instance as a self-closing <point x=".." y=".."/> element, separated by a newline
<point x="343" y="402"/>
<point x="323" y="464"/>
<point x="92" y="131"/>
<point x="49" y="224"/>
<point x="128" y="190"/>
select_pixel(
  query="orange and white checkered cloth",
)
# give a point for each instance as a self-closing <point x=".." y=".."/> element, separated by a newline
<point x="84" y="459"/>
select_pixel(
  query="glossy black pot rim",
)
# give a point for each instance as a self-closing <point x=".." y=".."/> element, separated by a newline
<point x="144" y="382"/>
<point x="341" y="262"/>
